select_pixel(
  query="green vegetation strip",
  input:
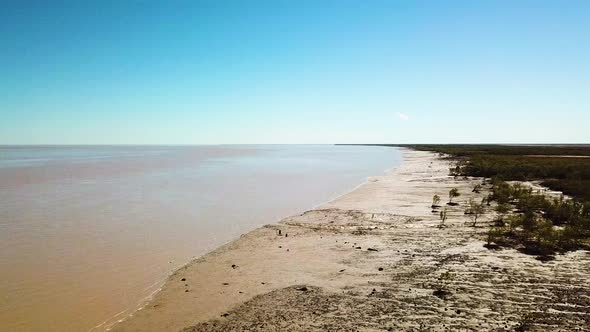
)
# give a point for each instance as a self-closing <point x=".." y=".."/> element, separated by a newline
<point x="549" y="164"/>
<point x="527" y="220"/>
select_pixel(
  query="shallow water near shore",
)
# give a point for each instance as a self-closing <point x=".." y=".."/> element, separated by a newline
<point x="87" y="232"/>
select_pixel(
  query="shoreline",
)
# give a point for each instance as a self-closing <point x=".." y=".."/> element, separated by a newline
<point x="112" y="323"/>
<point x="377" y="244"/>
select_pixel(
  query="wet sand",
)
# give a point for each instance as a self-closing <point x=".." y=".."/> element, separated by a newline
<point x="372" y="260"/>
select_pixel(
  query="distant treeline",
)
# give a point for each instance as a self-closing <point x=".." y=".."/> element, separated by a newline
<point x="494" y="149"/>
<point x="559" y="167"/>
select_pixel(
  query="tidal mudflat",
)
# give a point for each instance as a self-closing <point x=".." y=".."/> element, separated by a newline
<point x="375" y="259"/>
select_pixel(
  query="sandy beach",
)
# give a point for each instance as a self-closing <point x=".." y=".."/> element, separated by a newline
<point x="374" y="259"/>
<point x="294" y="166"/>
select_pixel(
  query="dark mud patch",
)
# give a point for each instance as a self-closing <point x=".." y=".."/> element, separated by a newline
<point x="290" y="309"/>
<point x="316" y="309"/>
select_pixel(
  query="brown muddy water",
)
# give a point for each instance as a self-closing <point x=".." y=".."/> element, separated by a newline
<point x="89" y="233"/>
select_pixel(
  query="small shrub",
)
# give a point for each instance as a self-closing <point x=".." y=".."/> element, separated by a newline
<point x="502" y="209"/>
<point x="476" y="210"/>
<point x="476" y="189"/>
<point x="435" y="201"/>
<point x="453" y="193"/>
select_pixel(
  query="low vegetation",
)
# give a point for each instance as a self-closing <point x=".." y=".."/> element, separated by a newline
<point x="565" y="168"/>
<point x="443" y="217"/>
<point x="475" y="210"/>
<point x="435" y="202"/>
<point x="453" y="193"/>
<point x="540" y="225"/>
<point x="477" y="189"/>
<point x="528" y="220"/>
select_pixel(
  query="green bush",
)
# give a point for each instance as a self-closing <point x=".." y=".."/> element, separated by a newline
<point x="533" y="229"/>
<point x="540" y="225"/>
<point x="523" y="163"/>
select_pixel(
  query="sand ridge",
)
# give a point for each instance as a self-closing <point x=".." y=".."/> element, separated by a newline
<point x="374" y="259"/>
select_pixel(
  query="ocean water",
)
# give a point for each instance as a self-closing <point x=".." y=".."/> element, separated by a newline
<point x="88" y="233"/>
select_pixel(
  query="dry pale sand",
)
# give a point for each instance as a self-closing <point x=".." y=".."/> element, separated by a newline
<point x="371" y="261"/>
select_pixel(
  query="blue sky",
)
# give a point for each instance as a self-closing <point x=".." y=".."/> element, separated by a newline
<point x="213" y="72"/>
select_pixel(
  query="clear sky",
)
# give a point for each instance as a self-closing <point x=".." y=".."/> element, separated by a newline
<point x="210" y="72"/>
